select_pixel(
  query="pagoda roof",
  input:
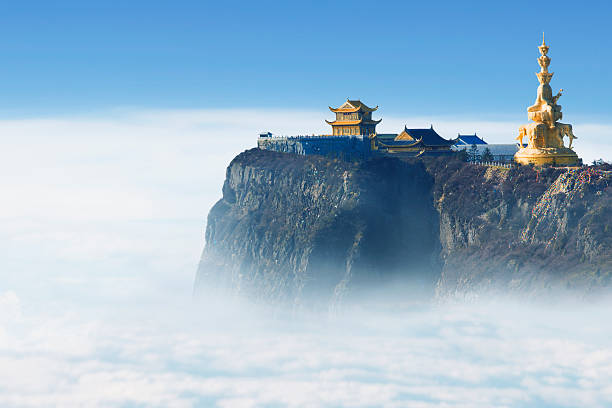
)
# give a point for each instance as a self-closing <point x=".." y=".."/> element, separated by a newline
<point x="469" y="140"/>
<point x="428" y="137"/>
<point x="353" y="106"/>
<point x="400" y="143"/>
<point x="353" y="122"/>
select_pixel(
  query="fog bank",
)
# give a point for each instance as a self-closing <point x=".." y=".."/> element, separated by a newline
<point x="102" y="229"/>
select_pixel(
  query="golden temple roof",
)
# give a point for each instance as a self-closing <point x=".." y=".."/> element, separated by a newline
<point x="353" y="106"/>
<point x="400" y="146"/>
<point x="353" y="122"/>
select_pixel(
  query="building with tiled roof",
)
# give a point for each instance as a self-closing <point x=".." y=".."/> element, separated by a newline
<point x="503" y="153"/>
<point x="427" y="137"/>
<point x="353" y="118"/>
<point x="414" y="142"/>
<point x="468" y="140"/>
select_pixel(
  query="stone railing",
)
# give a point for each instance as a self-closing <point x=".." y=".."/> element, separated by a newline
<point x="494" y="164"/>
<point x="308" y="136"/>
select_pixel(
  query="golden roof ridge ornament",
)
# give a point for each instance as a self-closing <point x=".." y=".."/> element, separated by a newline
<point x="545" y="145"/>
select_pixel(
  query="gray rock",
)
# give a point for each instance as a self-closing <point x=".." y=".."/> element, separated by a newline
<point x="306" y="229"/>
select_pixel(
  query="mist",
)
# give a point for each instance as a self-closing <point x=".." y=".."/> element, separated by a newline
<point x="480" y="354"/>
<point x="102" y="229"/>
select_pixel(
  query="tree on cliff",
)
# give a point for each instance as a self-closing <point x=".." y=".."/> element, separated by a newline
<point x="487" y="156"/>
<point x="473" y="155"/>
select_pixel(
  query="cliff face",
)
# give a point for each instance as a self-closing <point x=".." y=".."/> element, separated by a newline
<point x="526" y="230"/>
<point x="291" y="228"/>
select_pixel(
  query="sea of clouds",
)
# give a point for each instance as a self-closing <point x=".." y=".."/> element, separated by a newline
<point x="102" y="227"/>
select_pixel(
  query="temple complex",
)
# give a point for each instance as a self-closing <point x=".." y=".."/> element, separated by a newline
<point x="354" y="137"/>
<point x="353" y="118"/>
<point x="545" y="135"/>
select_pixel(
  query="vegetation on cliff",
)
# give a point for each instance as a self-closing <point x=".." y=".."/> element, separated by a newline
<point x="525" y="228"/>
<point x="291" y="226"/>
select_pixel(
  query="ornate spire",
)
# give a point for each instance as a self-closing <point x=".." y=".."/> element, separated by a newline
<point x="543" y="48"/>
<point x="544" y="61"/>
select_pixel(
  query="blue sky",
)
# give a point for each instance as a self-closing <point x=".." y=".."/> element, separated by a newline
<point x="411" y="58"/>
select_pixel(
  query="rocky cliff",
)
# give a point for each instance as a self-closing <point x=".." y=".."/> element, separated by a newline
<point x="524" y="230"/>
<point x="292" y="228"/>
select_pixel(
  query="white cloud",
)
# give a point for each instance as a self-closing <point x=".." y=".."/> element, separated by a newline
<point x="102" y="226"/>
<point x="10" y="306"/>
<point x="181" y="359"/>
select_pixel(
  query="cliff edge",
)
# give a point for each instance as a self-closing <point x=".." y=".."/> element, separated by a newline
<point x="294" y="228"/>
<point x="524" y="230"/>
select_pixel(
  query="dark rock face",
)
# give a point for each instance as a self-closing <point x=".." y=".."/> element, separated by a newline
<point x="524" y="230"/>
<point x="292" y="228"/>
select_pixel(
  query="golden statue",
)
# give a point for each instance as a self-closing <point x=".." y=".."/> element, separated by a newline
<point x="545" y="135"/>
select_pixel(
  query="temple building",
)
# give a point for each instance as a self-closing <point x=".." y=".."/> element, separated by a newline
<point x="480" y="150"/>
<point x="413" y="142"/>
<point x="469" y="140"/>
<point x="353" y="118"/>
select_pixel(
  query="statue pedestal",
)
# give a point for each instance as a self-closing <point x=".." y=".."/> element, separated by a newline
<point x="547" y="155"/>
